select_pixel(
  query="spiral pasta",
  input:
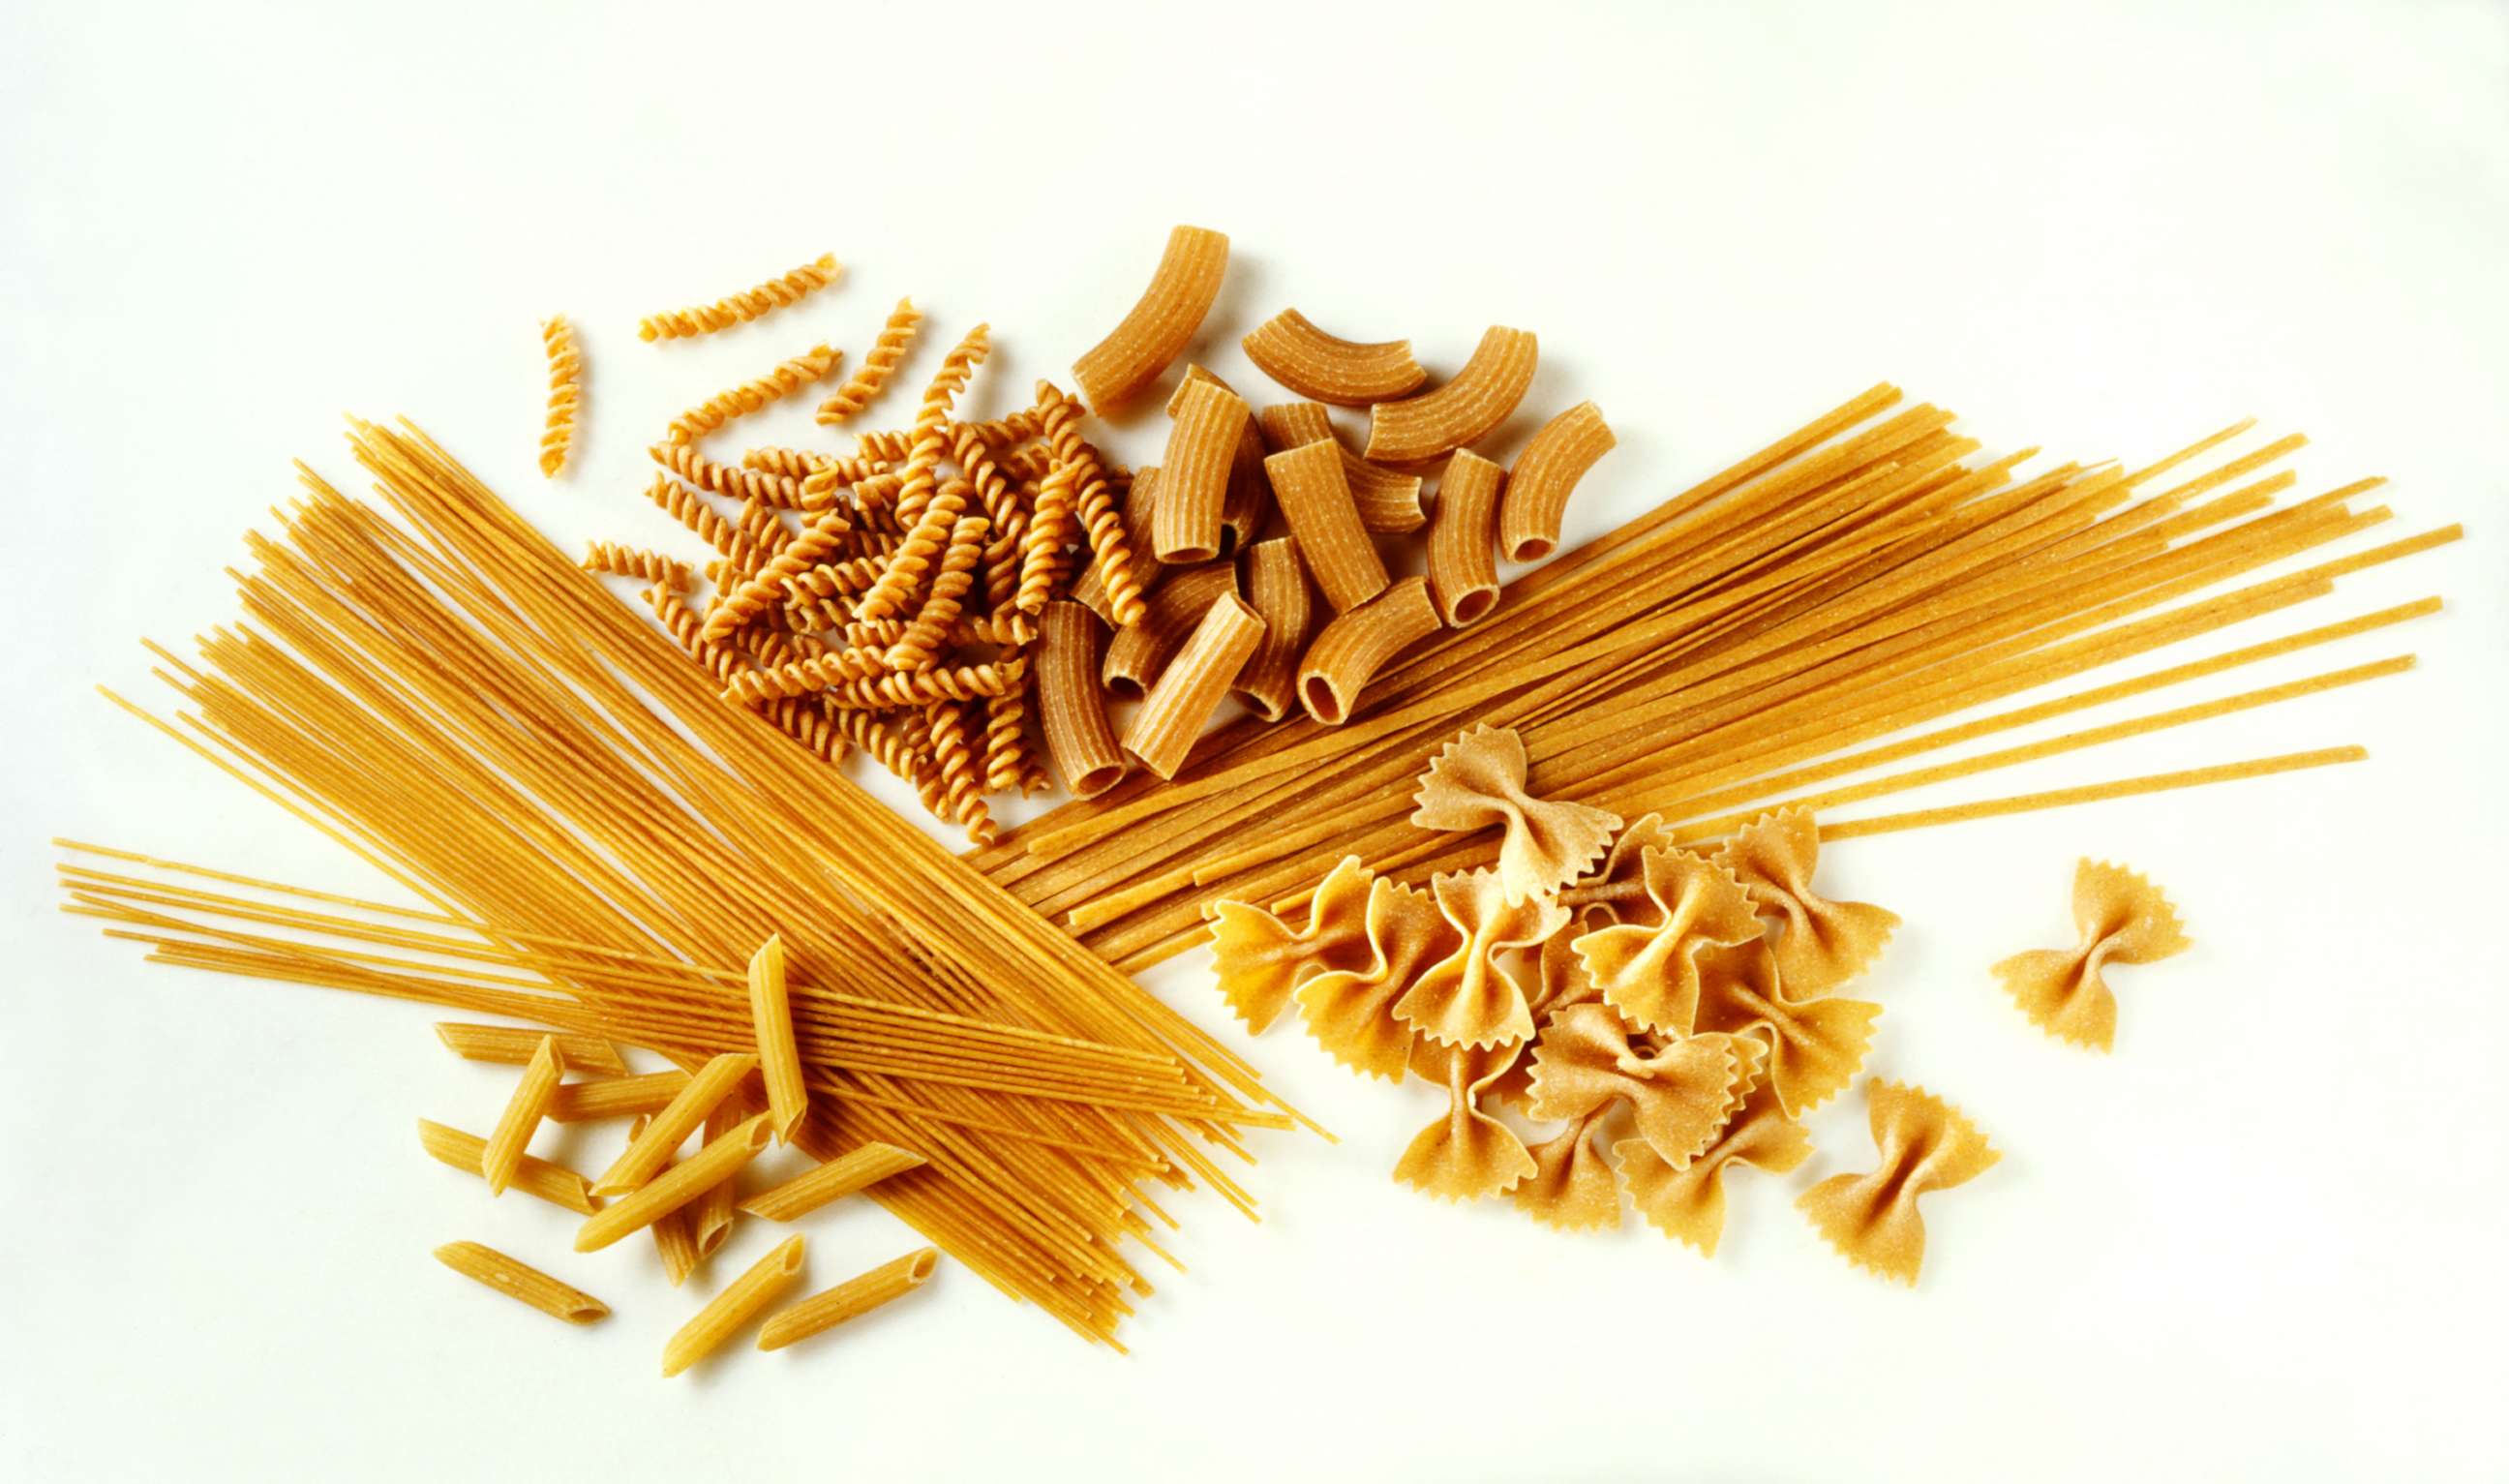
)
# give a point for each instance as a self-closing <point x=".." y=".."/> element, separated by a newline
<point x="1004" y="516"/>
<point x="809" y="723"/>
<point x="811" y="365"/>
<point x="801" y="676"/>
<point x="879" y="364"/>
<point x="962" y="799"/>
<point x="1005" y="739"/>
<point x="782" y="491"/>
<point x="1095" y="499"/>
<point x="565" y="391"/>
<point x="1043" y="560"/>
<point x="690" y="508"/>
<point x="929" y="508"/>
<point x="895" y="690"/>
<point x="803" y="553"/>
<point x="613" y="558"/>
<point x="742" y="307"/>
<point x="920" y="644"/>
<point x="682" y="623"/>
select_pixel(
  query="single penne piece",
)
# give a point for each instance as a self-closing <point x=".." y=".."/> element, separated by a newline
<point x="674" y="1122"/>
<point x="513" y="1044"/>
<point x="833" y="1180"/>
<point x="1356" y="645"/>
<point x="1137" y="656"/>
<point x="675" y="1187"/>
<point x="1389" y="504"/>
<point x="779" y="1058"/>
<point x="710" y="1215"/>
<point x="1463" y="541"/>
<point x="743" y="1299"/>
<point x="1291" y="350"/>
<point x="1072" y="702"/>
<point x="1193" y="685"/>
<point x="533" y="1177"/>
<point x="1313" y="495"/>
<point x="524" y="1110"/>
<point x="600" y="1097"/>
<point x="851" y="1299"/>
<point x="1154" y="332"/>
<point x="1140" y="509"/>
<point x="1275" y="581"/>
<point x="1211" y="421"/>
<point x="519" y="1280"/>
<point x="1545" y="474"/>
<point x="1479" y="397"/>
<point x="673" y="1240"/>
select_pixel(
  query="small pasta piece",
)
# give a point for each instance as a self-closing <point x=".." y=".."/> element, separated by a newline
<point x="612" y="559"/>
<point x="1071" y="706"/>
<point x="1211" y="421"/>
<point x="1926" y="1145"/>
<point x="1249" y="494"/>
<point x="922" y="688"/>
<point x="675" y="1242"/>
<point x="742" y="307"/>
<point x="582" y="1103"/>
<point x="518" y="1281"/>
<point x="919" y="645"/>
<point x="784" y="491"/>
<point x="1193" y="685"/>
<point x="1479" y="397"/>
<point x="858" y="391"/>
<point x="522" y="1117"/>
<point x="1154" y="331"/>
<point x="817" y="542"/>
<point x="1545" y="474"/>
<point x="1356" y="645"/>
<point x="709" y="1217"/>
<point x="743" y="1299"/>
<point x="1006" y="739"/>
<point x="675" y="1122"/>
<point x="675" y="1187"/>
<point x="1137" y="656"/>
<point x="779" y="1058"/>
<point x="850" y="1299"/>
<point x="533" y="1177"/>
<point x="1276" y="586"/>
<point x="811" y="365"/>
<point x="565" y="391"/>
<point x="1389" y="504"/>
<point x="691" y="509"/>
<point x="514" y="1046"/>
<point x="1462" y="539"/>
<point x="958" y="794"/>
<point x="1291" y="350"/>
<point x="1315" y="499"/>
<point x="833" y="1180"/>
<point x="1142" y="568"/>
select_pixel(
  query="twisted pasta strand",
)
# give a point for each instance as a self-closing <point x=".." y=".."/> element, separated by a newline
<point x="879" y="364"/>
<point x="800" y="677"/>
<point x="742" y="307"/>
<point x="1002" y="510"/>
<point x="882" y="744"/>
<point x="812" y="365"/>
<point x="1005" y="739"/>
<point x="690" y="508"/>
<point x="1096" y="502"/>
<point x="920" y="644"/>
<point x="809" y="724"/>
<point x="682" y="623"/>
<point x="782" y="491"/>
<point x="947" y="724"/>
<point x="759" y="523"/>
<point x="614" y="558"/>
<point x="1043" y="565"/>
<point x="565" y="391"/>
<point x="800" y="555"/>
<point x="921" y="688"/>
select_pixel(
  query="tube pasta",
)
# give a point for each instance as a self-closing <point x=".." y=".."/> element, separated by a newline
<point x="850" y="1299"/>
<point x="1137" y="656"/>
<point x="579" y="1102"/>
<point x="565" y="392"/>
<point x="743" y="1299"/>
<point x="1211" y="421"/>
<point x="879" y="363"/>
<point x="518" y="1281"/>
<point x="514" y="1046"/>
<point x="742" y="307"/>
<point x="1291" y="350"/>
<point x="833" y="1180"/>
<point x="1389" y="504"/>
<point x="811" y="365"/>
<point x="675" y="1241"/>
<point x="1479" y="397"/>
<point x="1072" y="707"/>
<point x="675" y="1122"/>
<point x="1545" y="474"/>
<point x="779" y="1059"/>
<point x="1154" y="332"/>
<point x="533" y="1177"/>
<point x="1276" y="588"/>
<point x="1193" y="685"/>
<point x="1314" y="497"/>
<point x="1250" y="493"/>
<point x="504" y="1153"/>
<point x="675" y="1187"/>
<point x="1463" y="538"/>
<point x="1350" y="649"/>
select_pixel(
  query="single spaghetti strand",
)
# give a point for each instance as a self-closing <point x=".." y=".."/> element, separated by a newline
<point x="565" y="391"/>
<point x="879" y="364"/>
<point x="742" y="307"/>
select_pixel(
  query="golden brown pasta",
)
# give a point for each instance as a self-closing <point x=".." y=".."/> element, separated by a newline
<point x="514" y="1046"/>
<point x="919" y="645"/>
<point x="1472" y="996"/>
<point x="811" y="365"/>
<point x="742" y="1299"/>
<point x="1350" y="649"/>
<point x="1545" y="474"/>
<point x="1926" y="1145"/>
<point x="1478" y="398"/>
<point x="1466" y="1154"/>
<point x="675" y="1122"/>
<point x="779" y="1059"/>
<point x="952" y="790"/>
<point x="1572" y="1187"/>
<point x="1825" y="942"/>
<point x="1072" y="705"/>
<point x="742" y="307"/>
<point x="1462" y="539"/>
<point x="1154" y="332"/>
<point x="1351" y="1011"/>
<point x="1679" y="1093"/>
<point x="1276" y="588"/>
<point x="517" y="1281"/>
<point x="602" y="1097"/>
<point x="879" y="364"/>
<point x="2123" y="919"/>
<point x="850" y="1171"/>
<point x="1291" y="350"/>
<point x="783" y="491"/>
<point x="1688" y="1205"/>
<point x="817" y="542"/>
<point x="1250" y="493"/>
<point x="1816" y="1046"/>
<point x="533" y="1177"/>
<point x="1096" y="510"/>
<point x="565" y="391"/>
<point x="1260" y="960"/>
<point x="1137" y="656"/>
<point x="1141" y="566"/>
<point x="1191" y="687"/>
<point x="691" y="509"/>
<point x="675" y="1241"/>
<point x="1314" y="497"/>
<point x="1478" y="780"/>
<point x="522" y="1117"/>
<point x="850" y="1299"/>
<point x="675" y="1187"/>
<point x="1389" y="504"/>
<point x="1211" y="421"/>
<point x="614" y="560"/>
<point x="1650" y="974"/>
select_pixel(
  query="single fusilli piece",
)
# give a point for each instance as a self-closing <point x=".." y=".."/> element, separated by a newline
<point x="613" y="558"/>
<point x="565" y="391"/>
<point x="946" y="722"/>
<point x="1094" y="499"/>
<point x="885" y="745"/>
<point x="801" y="676"/>
<point x="1002" y="510"/>
<point x="812" y="365"/>
<point x="919" y="645"/>
<point x="1051" y="527"/>
<point x="764" y="530"/>
<point x="809" y="723"/>
<point x="804" y="551"/>
<point x="742" y="307"/>
<point x="782" y="491"/>
<point x="879" y="364"/>
<point x="1006" y="740"/>
<point x="921" y="687"/>
<point x="689" y="509"/>
<point x="791" y="463"/>
<point x="682" y="623"/>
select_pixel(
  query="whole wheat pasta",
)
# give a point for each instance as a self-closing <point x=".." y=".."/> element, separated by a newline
<point x="533" y="1177"/>
<point x="721" y="660"/>
<point x="784" y="491"/>
<point x="1250" y="495"/>
<point x="1154" y="331"/>
<point x="1137" y="656"/>
<point x="1141" y="566"/>
<point x="1094" y="506"/>
<point x="710" y="1216"/>
<point x="879" y="364"/>
<point x="1463" y="538"/>
<point x="1072" y="705"/>
<point x="1351" y="649"/>
<point x="960" y="793"/>
<point x="922" y="688"/>
<point x="1044" y="551"/>
<point x="675" y="1242"/>
<point x="1006" y="738"/>
<point x="524" y="1110"/>
<point x="1276" y="586"/>
<point x="1650" y="969"/>
<point x="1925" y="1145"/>
<point x="611" y="559"/>
<point x="1291" y="350"/>
<point x="1688" y="1205"/>
<point x="517" y="1281"/>
<point x="601" y="1098"/>
<point x="765" y="528"/>
<point x="796" y="463"/>
<point x="1478" y="398"/>
<point x="1314" y="497"/>
<point x="817" y="540"/>
<point x="2123" y="918"/>
<point x="676" y="1186"/>
<point x="919" y="645"/>
<point x="811" y="365"/>
<point x="851" y="1299"/>
<point x="832" y="1180"/>
<point x="1480" y="779"/>
<point x="1545" y="474"/>
<point x="742" y="307"/>
<point x="1210" y="423"/>
<point x="565" y="392"/>
<point x="675" y="1122"/>
<point x="743" y="1299"/>
<point x="1193" y="685"/>
<point x="778" y="1059"/>
<point x="928" y="506"/>
<point x="689" y="509"/>
<point x="514" y="1046"/>
<point x="1389" y="504"/>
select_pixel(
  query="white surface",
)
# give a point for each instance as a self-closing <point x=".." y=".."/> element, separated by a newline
<point x="2260" y="1239"/>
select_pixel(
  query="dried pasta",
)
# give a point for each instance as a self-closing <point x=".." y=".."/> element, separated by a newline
<point x="811" y="365"/>
<point x="1679" y="1093"/>
<point x="742" y="307"/>
<point x="782" y="492"/>
<point x="506" y="1142"/>
<point x="601" y="1098"/>
<point x="1688" y="1205"/>
<point x="616" y="561"/>
<point x="779" y="1058"/>
<point x="1130" y="530"/>
<point x="1289" y="349"/>
<point x="1260" y="960"/>
<point x="1389" y="502"/>
<point x="1572" y="1186"/>
<point x="1545" y="474"/>
<point x="1137" y="656"/>
<point x="1825" y="942"/>
<point x="1463" y="562"/>
<point x="676" y="1186"/>
<point x="1350" y="1012"/>
<point x="1095" y="508"/>
<point x="1466" y="1154"/>
<point x="831" y="1180"/>
<point x="1154" y="331"/>
<point x="1314" y="497"/>
<point x="1478" y="780"/>
<point x="520" y="1282"/>
<point x="1472" y="996"/>
<point x="2123" y="920"/>
<point x="879" y="363"/>
<point x="1071" y="708"/>
<point x="1447" y="418"/>
<point x="533" y="1177"/>
<point x="849" y="1300"/>
<point x="514" y="1046"/>
<point x="1275" y="581"/>
<point x="565" y="392"/>
<point x="1651" y="974"/>
<point x="1816" y="1046"/>
<point x="675" y="1242"/>
<point x="1348" y="651"/>
<point x="1925" y="1145"/>
<point x="674" y="1122"/>
<point x="1210" y="423"/>
<point x="741" y="1300"/>
<point x="1193" y="685"/>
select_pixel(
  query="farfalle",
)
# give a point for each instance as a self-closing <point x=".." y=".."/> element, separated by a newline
<point x="1562" y="981"/>
<point x="1815" y="1046"/>
<point x="1261" y="959"/>
<point x="1925" y="1145"/>
<point x="1350" y="1012"/>
<point x="1466" y="1154"/>
<point x="1688" y="1205"/>
<point x="1825" y="942"/>
<point x="1651" y="974"/>
<point x="1679" y="1093"/>
<point x="1571" y="1186"/>
<point x="1468" y="998"/>
<point x="2123" y="920"/>
<point x="1478" y="780"/>
<point x="1618" y="887"/>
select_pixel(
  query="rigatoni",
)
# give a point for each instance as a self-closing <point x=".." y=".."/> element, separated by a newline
<point x="1275" y="583"/>
<point x="850" y="1299"/>
<point x="1137" y="656"/>
<point x="1389" y="504"/>
<point x="1314" y="497"/>
<point x="1155" y="330"/>
<point x="1463" y="560"/>
<point x="675" y="1187"/>
<point x="533" y="1177"/>
<point x="583" y="1102"/>
<point x="1545" y="474"/>
<point x="1071" y="706"/>
<point x="1291" y="350"/>
<point x="519" y="1280"/>
<point x="779" y="1059"/>
<point x="741" y="1301"/>
<point x="833" y="1180"/>
<point x="1193" y="685"/>
<point x="524" y="1110"/>
<point x="1356" y="645"/>
<point x="1479" y="398"/>
<point x="513" y="1044"/>
<point x="675" y="1122"/>
<point x="1211" y="421"/>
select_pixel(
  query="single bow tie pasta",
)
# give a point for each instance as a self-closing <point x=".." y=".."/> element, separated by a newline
<point x="2123" y="919"/>
<point x="1478" y="780"/>
<point x="1925" y="1145"/>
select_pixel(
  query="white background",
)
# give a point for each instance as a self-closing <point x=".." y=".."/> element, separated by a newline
<point x="2262" y="1238"/>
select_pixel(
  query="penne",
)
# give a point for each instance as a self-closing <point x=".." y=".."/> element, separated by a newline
<point x="1357" y="644"/>
<point x="674" y="1187"/>
<point x="580" y="1102"/>
<point x="743" y="1299"/>
<point x="674" y="1241"/>
<point x="1154" y="332"/>
<point x="514" y="1046"/>
<point x="710" y="1216"/>
<point x="1193" y="685"/>
<point x="1072" y="704"/>
<point x="850" y="1299"/>
<point x="1137" y="656"/>
<point x="1314" y="497"/>
<point x="502" y="1154"/>
<point x="779" y="1058"/>
<point x="833" y="1180"/>
<point x="1463" y="560"/>
<point x="1545" y="474"/>
<point x="518" y="1281"/>
<point x="1276" y="588"/>
<point x="1291" y="350"/>
<point x="1211" y="421"/>
<point x="1389" y="504"/>
<point x="1479" y="398"/>
<point x="533" y="1177"/>
<point x="674" y="1122"/>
